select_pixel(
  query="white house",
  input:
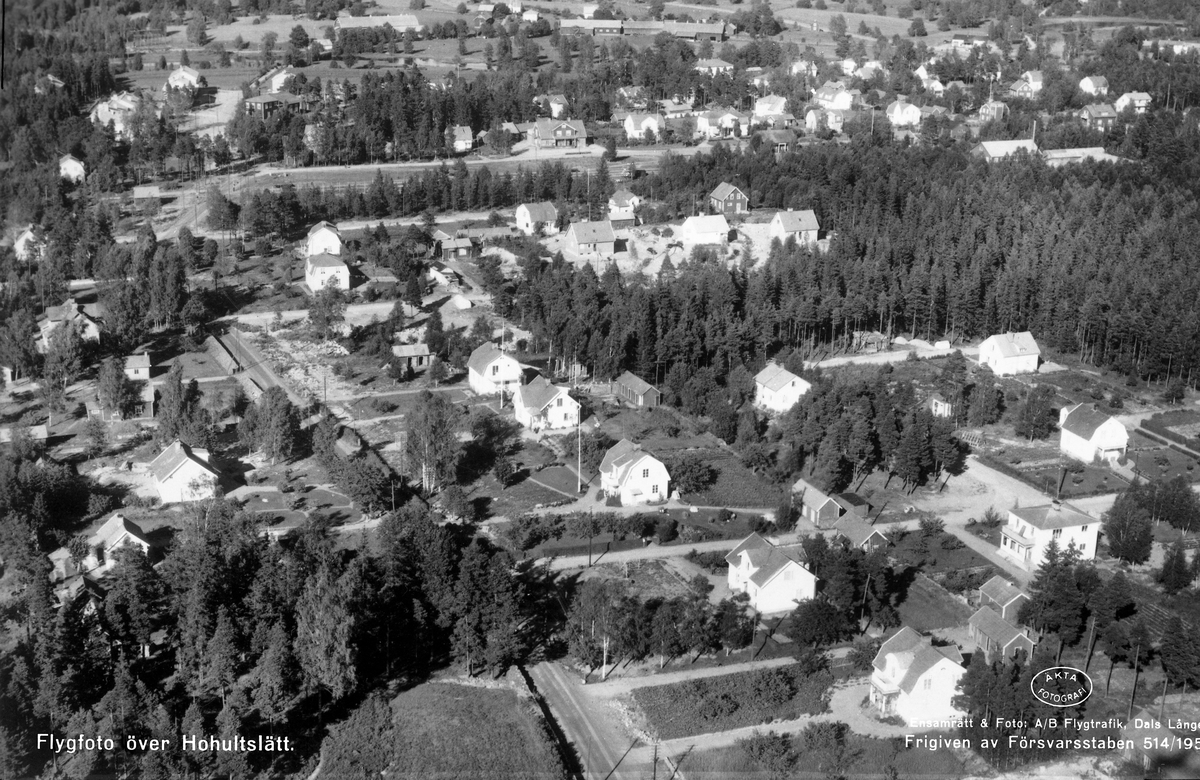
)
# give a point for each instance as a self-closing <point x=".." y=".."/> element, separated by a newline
<point x="805" y="68"/>
<point x="1035" y="80"/>
<point x="1094" y="85"/>
<point x="27" y="247"/>
<point x="118" y="110"/>
<point x="713" y="67"/>
<point x="901" y="113"/>
<point x="102" y="544"/>
<point x="1004" y="597"/>
<point x="636" y="124"/>
<point x="71" y="168"/>
<point x="621" y="207"/>
<point x="464" y="140"/>
<point x="184" y="77"/>
<point x="532" y="217"/>
<point x="801" y="225"/>
<point x="934" y="87"/>
<point x="914" y="680"/>
<point x="633" y="475"/>
<point x="833" y="97"/>
<point x="1008" y="354"/>
<point x="324" y="238"/>
<point x="993" y="151"/>
<point x="1029" y="531"/>
<point x="1088" y="434"/>
<point x="540" y="405"/>
<point x="770" y="106"/>
<point x="320" y="270"/>
<point x="722" y="123"/>
<point x="491" y="371"/>
<point x="182" y="473"/>
<point x="711" y="229"/>
<point x="1138" y="101"/>
<point x="776" y="389"/>
<point x="775" y="579"/>
<point x="817" y="119"/>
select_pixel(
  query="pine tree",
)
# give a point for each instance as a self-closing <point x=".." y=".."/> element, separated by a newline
<point x="1179" y="655"/>
<point x="1128" y="528"/>
<point x="324" y="627"/>
<point x="1175" y="574"/>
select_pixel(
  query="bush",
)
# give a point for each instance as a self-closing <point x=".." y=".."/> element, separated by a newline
<point x="951" y="542"/>
<point x="667" y="529"/>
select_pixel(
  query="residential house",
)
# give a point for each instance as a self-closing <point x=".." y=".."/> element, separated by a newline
<point x="453" y="248"/>
<point x="834" y="96"/>
<point x="801" y="225"/>
<point x="818" y="119"/>
<point x="1002" y="596"/>
<point x="713" y="67"/>
<point x="71" y="168"/>
<point x="903" y="114"/>
<point x="27" y="246"/>
<point x="323" y="238"/>
<point x="713" y="229"/>
<point x="182" y="473"/>
<point x="102" y="545"/>
<point x="553" y="133"/>
<point x="491" y="371"/>
<point x="118" y="110"/>
<point x="636" y="391"/>
<point x="443" y="275"/>
<point x="47" y="84"/>
<point x="1090" y="435"/>
<point x="1056" y="158"/>
<point x="1094" y="85"/>
<point x="183" y="77"/>
<point x="533" y="218"/>
<point x="774" y="578"/>
<point x="590" y="26"/>
<point x="591" y="238"/>
<point x="805" y="68"/>
<point x="769" y="106"/>
<point x="621" y="207"/>
<point x="413" y="357"/>
<point x="1030" y="530"/>
<point x="530" y="16"/>
<point x="776" y="389"/>
<point x="84" y="318"/>
<point x="858" y="532"/>
<point x="137" y="370"/>
<point x="728" y="199"/>
<point x="1035" y="80"/>
<point x="638" y="124"/>
<point x="555" y="105"/>
<point x="675" y="109"/>
<point x="993" y="151"/>
<point x="722" y="123"/>
<point x="817" y="506"/>
<point x="398" y="22"/>
<point x="325" y="269"/>
<point x="464" y="139"/>
<point x="915" y="680"/>
<point x="993" y="111"/>
<point x="869" y="70"/>
<point x="939" y="406"/>
<point x="540" y="405"/>
<point x="633" y="475"/>
<point x="266" y="105"/>
<point x="780" y="140"/>
<point x="1138" y="101"/>
<point x="1099" y="116"/>
<point x="996" y="637"/>
<point x="933" y="87"/>
<point x="632" y="96"/>
<point x="1009" y="354"/>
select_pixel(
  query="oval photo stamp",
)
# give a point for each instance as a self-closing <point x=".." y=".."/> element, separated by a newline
<point x="1061" y="686"/>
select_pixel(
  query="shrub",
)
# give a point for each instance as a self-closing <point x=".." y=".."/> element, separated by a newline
<point x="667" y="529"/>
<point x="951" y="542"/>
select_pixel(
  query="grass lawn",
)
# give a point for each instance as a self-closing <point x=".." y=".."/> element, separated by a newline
<point x="928" y="605"/>
<point x="936" y="558"/>
<point x="443" y="730"/>
<point x="732" y="701"/>
<point x="515" y="499"/>
<point x="1093" y="480"/>
<point x="1158" y="461"/>
<point x="559" y="477"/>
<point x="736" y="485"/>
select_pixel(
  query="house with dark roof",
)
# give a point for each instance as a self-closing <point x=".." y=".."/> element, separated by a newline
<point x="590" y="238"/>
<point x="801" y="225"/>
<point x="1030" y="530"/>
<point x="102" y="544"/>
<point x="728" y="199"/>
<point x="633" y="475"/>
<point x="541" y="405"/>
<point x="997" y="638"/>
<point x="1008" y="354"/>
<point x="818" y="507"/>
<point x="1098" y="116"/>
<point x="636" y="391"/>
<point x="915" y="680"/>
<point x="1089" y="434"/>
<point x="775" y="578"/>
<point x="85" y="318"/>
<point x="464" y="139"/>
<point x="552" y="133"/>
<point x="414" y="357"/>
<point x="776" y="389"/>
<point x="491" y="371"/>
<point x="534" y="217"/>
<point x="858" y="532"/>
<point x="1002" y="596"/>
<point x="182" y="473"/>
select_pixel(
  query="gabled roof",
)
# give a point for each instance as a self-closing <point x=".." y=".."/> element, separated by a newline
<point x="619" y="450"/>
<point x="856" y="530"/>
<point x="1083" y="420"/>
<point x="638" y="119"/>
<point x="995" y="149"/>
<point x="323" y="225"/>
<point x="592" y="232"/>
<point x="810" y="495"/>
<point x="766" y="559"/>
<point x="484" y="355"/>
<point x="915" y="654"/>
<point x="114" y="530"/>
<point x="797" y="221"/>
<point x="713" y="63"/>
<point x="775" y="377"/>
<point x="713" y="223"/>
<point x="69" y="158"/>
<point x="462" y="133"/>
<point x="141" y="360"/>
<point x="1135" y="97"/>
<point x="1001" y="591"/>
<point x="541" y="212"/>
<point x="411" y="350"/>
<point x="538" y="394"/>
<point x="326" y="260"/>
<point x="622" y="198"/>
<point x="771" y="104"/>
<point x="622" y="459"/>
<point x="172" y="458"/>
<point x="989" y="623"/>
<point x="724" y="190"/>
<point x="1100" y="111"/>
<point x="635" y="383"/>
<point x="751" y="542"/>
<point x="1098" y="82"/>
<point x="1057" y="514"/>
<point x="1014" y="344"/>
<point x="545" y="127"/>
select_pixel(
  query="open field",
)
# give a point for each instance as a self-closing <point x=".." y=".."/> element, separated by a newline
<point x="735" y="485"/>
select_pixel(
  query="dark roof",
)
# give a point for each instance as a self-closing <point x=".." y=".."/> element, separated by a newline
<point x="916" y="654"/>
<point x="592" y="232"/>
<point x="326" y="260"/>
<point x="170" y="459"/>
<point x="724" y="190"/>
<point x="1001" y="591"/>
<point x="541" y="212"/>
<point x="635" y="383"/>
<point x="856" y="529"/>
<point x="989" y="623"/>
<point x="323" y="224"/>
<point x="538" y="393"/>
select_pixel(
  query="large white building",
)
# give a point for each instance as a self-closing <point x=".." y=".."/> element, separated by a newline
<point x="540" y="405"/>
<point x="914" y="680"/>
<point x="1030" y="530"/>
<point x="532" y="217"/>
<point x="71" y="168"/>
<point x="102" y="544"/>
<point x="1088" y="434"/>
<point x="1010" y="353"/>
<point x="491" y="371"/>
<point x="775" y="579"/>
<point x="323" y="269"/>
<point x="801" y="225"/>
<point x="184" y="77"/>
<point x="633" y="475"/>
<point x="182" y="473"/>
<point x="776" y="389"/>
<point x="323" y="238"/>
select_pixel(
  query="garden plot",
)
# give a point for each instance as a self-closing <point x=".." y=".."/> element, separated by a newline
<point x="656" y="578"/>
<point x="305" y="366"/>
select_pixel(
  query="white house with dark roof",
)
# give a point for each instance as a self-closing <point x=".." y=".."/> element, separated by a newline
<point x="102" y="544"/>
<point x="323" y="237"/>
<point x="591" y="238"/>
<point x="541" y="405"/>
<point x="774" y="578"/>
<point x="490" y="370"/>
<point x="801" y="225"/>
<point x="1138" y="101"/>
<point x="1029" y="531"/>
<point x="532" y="217"/>
<point x="633" y="475"/>
<point x="996" y="637"/>
<point x="182" y="473"/>
<point x="913" y="680"/>
<point x="1002" y="596"/>
<point x="1089" y="434"/>
<point x="1008" y="354"/>
<point x="464" y="139"/>
<point x="776" y="389"/>
<point x="1094" y="85"/>
<point x="323" y="269"/>
<point x="71" y="168"/>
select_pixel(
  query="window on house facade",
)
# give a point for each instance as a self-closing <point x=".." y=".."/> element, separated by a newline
<point x="495" y="370"/>
<point x="1084" y="529"/>
<point x="1057" y="533"/>
<point x="645" y="473"/>
<point x="654" y="489"/>
<point x="928" y="684"/>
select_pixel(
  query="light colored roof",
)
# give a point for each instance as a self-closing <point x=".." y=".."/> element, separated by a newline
<point x="1135" y="96"/>
<point x="1100" y="110"/>
<point x="767" y="559"/>
<point x="712" y="63"/>
<point x="592" y="232"/>
<point x="776" y="377"/>
<point x="326" y="260"/>
<point x="264" y="99"/>
<point x="713" y="223"/>
<point x="1058" y="514"/>
<point x="69" y="158"/>
<point x="751" y="542"/>
<point x="545" y="127"/>
<point x="174" y="456"/>
<point x="915" y="654"/>
<point x="616" y="452"/>
<point x="1005" y="148"/>
<point x="989" y="623"/>
<point x="1001" y="591"/>
<point x="638" y="119"/>
<point x="635" y="383"/>
<point x="810" y="495"/>
<point x="1097" y="81"/>
<point x="856" y="530"/>
<point x="541" y="212"/>
<point x="622" y="198"/>
<point x="538" y="394"/>
<point x="796" y="221"/>
<point x="1015" y="344"/>
<point x="410" y="350"/>
<point x="1083" y="420"/>
<point x="622" y="458"/>
<point x="397" y="21"/>
<point x="483" y="356"/>
<point x="462" y="133"/>
<point x="141" y="360"/>
<point x="186" y="71"/>
<point x="724" y="190"/>
<point x="322" y="225"/>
